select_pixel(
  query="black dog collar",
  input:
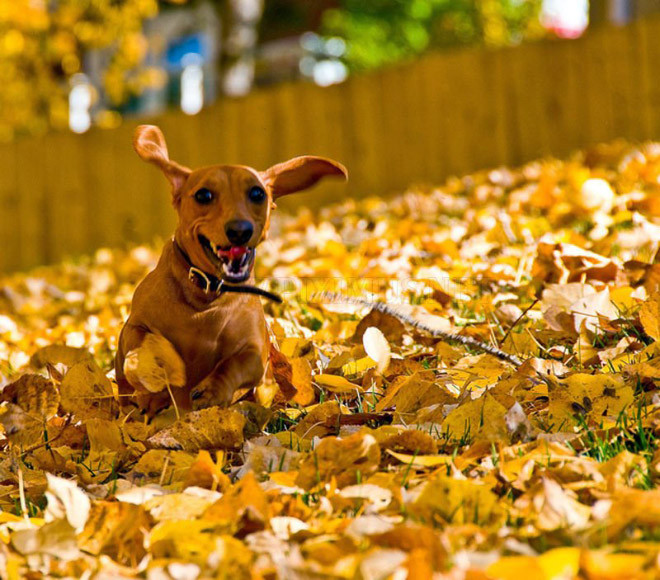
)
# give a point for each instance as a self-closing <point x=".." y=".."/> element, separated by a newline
<point x="212" y="284"/>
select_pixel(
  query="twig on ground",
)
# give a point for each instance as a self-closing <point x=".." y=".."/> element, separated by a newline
<point x="411" y="321"/>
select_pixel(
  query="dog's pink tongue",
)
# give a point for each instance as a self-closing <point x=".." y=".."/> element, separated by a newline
<point x="235" y="252"/>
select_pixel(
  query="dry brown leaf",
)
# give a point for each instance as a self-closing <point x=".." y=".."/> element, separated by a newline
<point x="212" y="428"/>
<point x="283" y="373"/>
<point x="34" y="394"/>
<point x="649" y="316"/>
<point x="321" y="420"/>
<point x="162" y="467"/>
<point x="586" y="395"/>
<point x="86" y="392"/>
<point x="243" y="508"/>
<point x="206" y="473"/>
<point x="301" y="378"/>
<point x="336" y="384"/>
<point x="443" y="499"/>
<point x="342" y="459"/>
<point x="116" y="529"/>
<point x="155" y="365"/>
<point x="20" y="427"/>
<point x="413" y="393"/>
<point x="391" y="327"/>
<point x="59" y="354"/>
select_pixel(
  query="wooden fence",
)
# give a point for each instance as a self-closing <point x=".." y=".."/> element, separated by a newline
<point x="448" y="113"/>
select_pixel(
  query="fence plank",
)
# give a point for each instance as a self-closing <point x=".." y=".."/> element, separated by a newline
<point x="433" y="109"/>
<point x="649" y="54"/>
<point x="600" y="117"/>
<point x="30" y="188"/>
<point x="367" y="130"/>
<point x="10" y="253"/>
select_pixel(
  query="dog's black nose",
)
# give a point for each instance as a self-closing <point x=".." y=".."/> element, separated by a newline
<point x="239" y="232"/>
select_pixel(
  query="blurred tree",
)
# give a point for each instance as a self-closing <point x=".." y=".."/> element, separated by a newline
<point x="42" y="45"/>
<point x="290" y="18"/>
<point x="383" y="31"/>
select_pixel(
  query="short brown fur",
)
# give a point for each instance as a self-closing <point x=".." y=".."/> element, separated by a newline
<point x="221" y="339"/>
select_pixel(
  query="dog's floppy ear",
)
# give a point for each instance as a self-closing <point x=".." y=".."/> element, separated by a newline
<point x="300" y="173"/>
<point x="150" y="145"/>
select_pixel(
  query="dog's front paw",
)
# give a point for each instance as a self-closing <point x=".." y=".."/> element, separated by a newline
<point x="150" y="404"/>
<point x="211" y="393"/>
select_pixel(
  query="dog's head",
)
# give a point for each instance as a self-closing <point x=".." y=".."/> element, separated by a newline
<point x="224" y="210"/>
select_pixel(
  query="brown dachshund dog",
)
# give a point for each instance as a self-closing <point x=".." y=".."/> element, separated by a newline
<point x="197" y="297"/>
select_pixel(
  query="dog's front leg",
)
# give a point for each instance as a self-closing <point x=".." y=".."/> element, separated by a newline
<point x="244" y="369"/>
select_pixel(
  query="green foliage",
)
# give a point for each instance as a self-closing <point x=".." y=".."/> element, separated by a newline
<point x="379" y="32"/>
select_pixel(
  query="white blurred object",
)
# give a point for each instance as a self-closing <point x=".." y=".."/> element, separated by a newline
<point x="596" y="195"/>
<point x="566" y="18"/>
<point x="80" y="102"/>
<point x="239" y="78"/>
<point x="329" y="72"/>
<point x="192" y="85"/>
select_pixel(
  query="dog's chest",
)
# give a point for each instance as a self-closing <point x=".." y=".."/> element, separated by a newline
<point x="203" y="339"/>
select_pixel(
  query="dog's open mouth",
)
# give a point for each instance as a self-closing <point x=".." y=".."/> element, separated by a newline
<point x="234" y="262"/>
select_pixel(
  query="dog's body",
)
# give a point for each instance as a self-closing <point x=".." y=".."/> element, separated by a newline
<point x="224" y="212"/>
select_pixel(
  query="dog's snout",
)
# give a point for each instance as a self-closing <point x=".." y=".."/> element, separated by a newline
<point x="239" y="232"/>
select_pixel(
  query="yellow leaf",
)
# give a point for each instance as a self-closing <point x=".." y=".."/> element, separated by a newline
<point x="409" y="394"/>
<point x="206" y="473"/>
<point x="608" y="566"/>
<point x="301" y="378"/>
<point x="478" y="419"/>
<point x="86" y="392"/>
<point x="477" y="372"/>
<point x="163" y="467"/>
<point x="243" y="505"/>
<point x="283" y="478"/>
<point x="421" y="460"/>
<point x="294" y="347"/>
<point x="337" y="384"/>
<point x="35" y="395"/>
<point x="649" y="316"/>
<point x="587" y="395"/>
<point x="515" y="568"/>
<point x="20" y="427"/>
<point x="155" y="365"/>
<point x="340" y="458"/>
<point x="356" y="367"/>
<point x="193" y="541"/>
<point x="179" y="506"/>
<point x="59" y="353"/>
<point x="116" y="529"/>
<point x="458" y="501"/>
<point x="560" y="563"/>
<point x="212" y="428"/>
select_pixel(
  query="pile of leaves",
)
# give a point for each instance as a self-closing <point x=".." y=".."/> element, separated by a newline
<point x="372" y="449"/>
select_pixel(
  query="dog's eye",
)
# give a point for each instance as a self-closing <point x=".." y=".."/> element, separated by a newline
<point x="256" y="194"/>
<point x="204" y="196"/>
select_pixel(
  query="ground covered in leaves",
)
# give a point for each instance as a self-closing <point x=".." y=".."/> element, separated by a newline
<point x="372" y="450"/>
